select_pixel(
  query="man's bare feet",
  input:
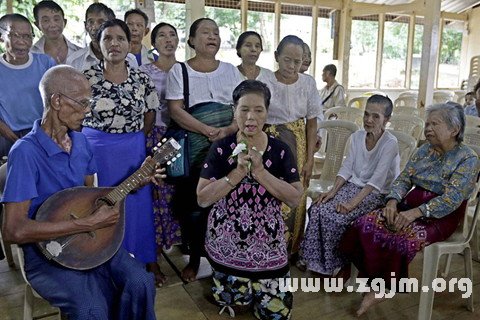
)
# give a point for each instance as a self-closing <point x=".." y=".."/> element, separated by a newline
<point x="160" y="277"/>
<point x="368" y="301"/>
<point x="189" y="273"/>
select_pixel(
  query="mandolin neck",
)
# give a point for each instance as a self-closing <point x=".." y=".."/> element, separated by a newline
<point x="131" y="183"/>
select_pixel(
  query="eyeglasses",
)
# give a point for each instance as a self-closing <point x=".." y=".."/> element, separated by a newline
<point x="14" y="36"/>
<point x="85" y="104"/>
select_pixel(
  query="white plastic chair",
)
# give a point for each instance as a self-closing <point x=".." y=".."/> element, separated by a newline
<point x="409" y="93"/>
<point x="458" y="242"/>
<point x="406" y="110"/>
<point x="460" y="96"/>
<point x="472" y="121"/>
<point x="471" y="136"/>
<point x="406" y="146"/>
<point x="443" y="96"/>
<point x="406" y="101"/>
<point x="6" y="247"/>
<point x="338" y="132"/>
<point x="358" y="102"/>
<point x="345" y="113"/>
<point x="30" y="293"/>
<point x="408" y="124"/>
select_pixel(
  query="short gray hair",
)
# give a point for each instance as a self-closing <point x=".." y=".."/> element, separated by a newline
<point x="452" y="114"/>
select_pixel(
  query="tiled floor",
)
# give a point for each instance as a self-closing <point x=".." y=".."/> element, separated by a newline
<point x="178" y="301"/>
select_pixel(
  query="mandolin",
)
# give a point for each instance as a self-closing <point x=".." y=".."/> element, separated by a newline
<point x="88" y="250"/>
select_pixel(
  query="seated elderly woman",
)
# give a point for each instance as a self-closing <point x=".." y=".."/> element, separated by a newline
<point x="371" y="165"/>
<point x="442" y="174"/>
<point x="245" y="240"/>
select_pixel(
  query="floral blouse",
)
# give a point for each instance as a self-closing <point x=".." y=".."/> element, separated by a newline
<point x="452" y="176"/>
<point x="120" y="108"/>
<point x="245" y="232"/>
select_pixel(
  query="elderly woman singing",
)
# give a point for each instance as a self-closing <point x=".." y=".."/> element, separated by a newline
<point x="442" y="174"/>
<point x="245" y="239"/>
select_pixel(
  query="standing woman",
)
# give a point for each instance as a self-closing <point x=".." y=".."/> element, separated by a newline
<point x="292" y="118"/>
<point x="123" y="110"/>
<point x="249" y="46"/>
<point x="164" y="38"/>
<point x="211" y="84"/>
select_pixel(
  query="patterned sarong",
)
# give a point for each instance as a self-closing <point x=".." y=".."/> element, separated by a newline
<point x="293" y="134"/>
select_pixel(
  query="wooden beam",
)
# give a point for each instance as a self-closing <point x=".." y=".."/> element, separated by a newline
<point x="454" y="16"/>
<point x="439" y="41"/>
<point x="278" y="15"/>
<point x="365" y="9"/>
<point x="194" y="9"/>
<point x="313" y="41"/>
<point x="379" y="59"/>
<point x="430" y="52"/>
<point x="410" y="42"/>
<point x="9" y="6"/>
<point x="334" y="4"/>
<point x="345" y="41"/>
<point x="244" y="14"/>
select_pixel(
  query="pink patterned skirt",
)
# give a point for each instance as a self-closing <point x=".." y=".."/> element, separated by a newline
<point x="377" y="251"/>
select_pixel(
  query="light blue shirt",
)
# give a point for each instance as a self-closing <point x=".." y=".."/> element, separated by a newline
<point x="20" y="100"/>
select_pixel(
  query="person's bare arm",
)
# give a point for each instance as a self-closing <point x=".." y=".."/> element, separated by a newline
<point x="7" y="133"/>
<point x="18" y="228"/>
<point x="311" y="135"/>
<point x="148" y="122"/>
<point x="186" y="121"/>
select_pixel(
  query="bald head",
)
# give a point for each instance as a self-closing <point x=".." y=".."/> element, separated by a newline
<point x="62" y="79"/>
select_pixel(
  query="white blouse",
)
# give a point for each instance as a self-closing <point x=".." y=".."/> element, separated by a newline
<point x="294" y="101"/>
<point x="216" y="86"/>
<point x="377" y="167"/>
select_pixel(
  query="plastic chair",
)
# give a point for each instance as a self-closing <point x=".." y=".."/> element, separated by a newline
<point x="406" y="110"/>
<point x="406" y="146"/>
<point x="472" y="121"/>
<point x="345" y="113"/>
<point x="460" y="96"/>
<point x="409" y="93"/>
<point x="358" y="102"/>
<point x="408" y="124"/>
<point x="443" y="96"/>
<point x="471" y="136"/>
<point x="406" y="101"/>
<point x="456" y="243"/>
<point x="6" y="247"/>
<point x="30" y="293"/>
<point x="338" y="132"/>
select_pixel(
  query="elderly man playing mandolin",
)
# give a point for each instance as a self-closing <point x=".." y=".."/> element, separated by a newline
<point x="54" y="157"/>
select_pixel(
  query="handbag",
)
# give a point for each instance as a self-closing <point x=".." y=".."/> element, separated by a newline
<point x="180" y="168"/>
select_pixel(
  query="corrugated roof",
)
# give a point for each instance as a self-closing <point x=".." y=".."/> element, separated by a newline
<point x="454" y="6"/>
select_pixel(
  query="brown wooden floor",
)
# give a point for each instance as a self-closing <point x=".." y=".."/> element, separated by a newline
<point x="178" y="301"/>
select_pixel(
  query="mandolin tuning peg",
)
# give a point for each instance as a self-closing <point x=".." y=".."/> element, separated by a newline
<point x="169" y="163"/>
<point x="164" y="139"/>
<point x="155" y="149"/>
<point x="173" y="159"/>
<point x="159" y="144"/>
<point x="178" y="155"/>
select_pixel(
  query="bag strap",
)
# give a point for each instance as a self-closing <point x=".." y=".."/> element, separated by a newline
<point x="186" y="89"/>
<point x="330" y="95"/>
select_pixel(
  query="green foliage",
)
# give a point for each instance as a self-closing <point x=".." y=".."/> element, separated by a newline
<point x="364" y="36"/>
<point x="395" y="40"/>
<point x="451" y="46"/>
